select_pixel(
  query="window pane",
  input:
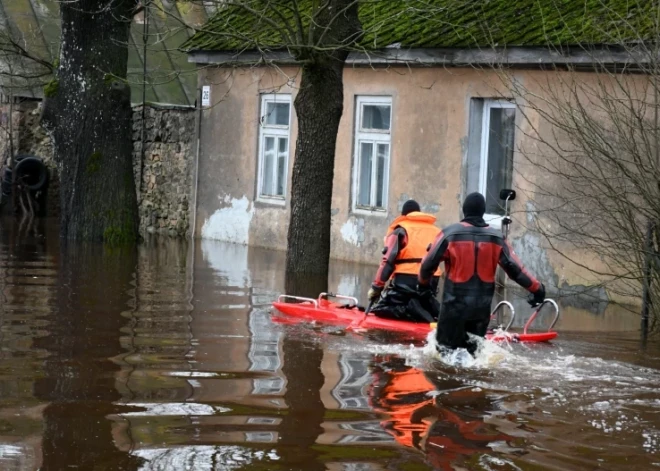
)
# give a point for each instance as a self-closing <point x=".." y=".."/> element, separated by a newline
<point x="283" y="150"/>
<point x="500" y="157"/>
<point x="383" y="150"/>
<point x="364" y="177"/>
<point x="277" y="113"/>
<point x="268" y="166"/>
<point x="376" y="117"/>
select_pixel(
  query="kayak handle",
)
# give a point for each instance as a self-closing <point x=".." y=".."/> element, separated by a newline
<point x="338" y="296"/>
<point x="510" y="306"/>
<point x="533" y="316"/>
<point x="282" y="297"/>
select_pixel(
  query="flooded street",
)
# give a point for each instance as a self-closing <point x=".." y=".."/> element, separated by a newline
<point x="166" y="358"/>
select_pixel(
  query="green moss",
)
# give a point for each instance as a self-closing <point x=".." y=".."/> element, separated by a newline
<point x="109" y="79"/>
<point x="94" y="162"/>
<point x="120" y="229"/>
<point x="447" y="23"/>
<point x="51" y="88"/>
<point x="56" y="63"/>
<point x="114" y="235"/>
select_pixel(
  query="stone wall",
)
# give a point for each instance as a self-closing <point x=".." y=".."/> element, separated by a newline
<point x="164" y="180"/>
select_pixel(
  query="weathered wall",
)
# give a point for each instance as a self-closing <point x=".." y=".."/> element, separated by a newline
<point x="429" y="152"/>
<point x="4" y="129"/>
<point x="164" y="180"/>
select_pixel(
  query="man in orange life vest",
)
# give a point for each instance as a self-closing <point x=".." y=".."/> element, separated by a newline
<point x="471" y="251"/>
<point x="408" y="238"/>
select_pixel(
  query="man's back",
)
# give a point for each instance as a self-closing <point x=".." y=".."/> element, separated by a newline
<point x="471" y="251"/>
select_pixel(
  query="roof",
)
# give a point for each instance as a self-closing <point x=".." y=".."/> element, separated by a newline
<point x="447" y="23"/>
<point x="171" y="79"/>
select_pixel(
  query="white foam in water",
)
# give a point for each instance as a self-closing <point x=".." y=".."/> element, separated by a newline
<point x="487" y="355"/>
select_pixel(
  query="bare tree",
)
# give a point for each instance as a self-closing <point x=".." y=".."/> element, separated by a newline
<point x="319" y="36"/>
<point x="591" y="154"/>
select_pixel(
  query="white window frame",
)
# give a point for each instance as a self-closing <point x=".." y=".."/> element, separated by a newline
<point x="494" y="220"/>
<point x="275" y="132"/>
<point x="375" y="137"/>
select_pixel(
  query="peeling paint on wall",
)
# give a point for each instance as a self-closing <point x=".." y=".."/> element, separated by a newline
<point x="231" y="223"/>
<point x="430" y="208"/>
<point x="353" y="231"/>
<point x="528" y="248"/>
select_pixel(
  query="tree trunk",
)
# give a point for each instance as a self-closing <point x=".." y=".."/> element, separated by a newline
<point x="79" y="381"/>
<point x="88" y="113"/>
<point x="319" y="106"/>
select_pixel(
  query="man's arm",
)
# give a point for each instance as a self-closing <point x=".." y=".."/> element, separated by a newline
<point x="432" y="259"/>
<point x="394" y="243"/>
<point x="515" y="270"/>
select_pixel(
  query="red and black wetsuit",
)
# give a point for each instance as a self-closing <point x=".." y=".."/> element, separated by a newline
<point x="471" y="254"/>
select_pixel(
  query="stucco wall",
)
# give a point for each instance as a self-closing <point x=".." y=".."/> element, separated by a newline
<point x="429" y="151"/>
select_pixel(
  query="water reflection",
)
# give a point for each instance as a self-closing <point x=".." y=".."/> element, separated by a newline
<point x="167" y="358"/>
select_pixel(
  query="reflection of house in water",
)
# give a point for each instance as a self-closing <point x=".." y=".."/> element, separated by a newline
<point x="226" y="380"/>
<point x="347" y="379"/>
<point x="264" y="354"/>
<point x="355" y="376"/>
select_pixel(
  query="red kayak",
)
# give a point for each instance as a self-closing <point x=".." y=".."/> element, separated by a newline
<point x="350" y="314"/>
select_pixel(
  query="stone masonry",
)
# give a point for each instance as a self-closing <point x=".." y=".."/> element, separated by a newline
<point x="164" y="179"/>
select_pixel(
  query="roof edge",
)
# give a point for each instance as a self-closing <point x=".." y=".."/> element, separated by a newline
<point x="447" y="57"/>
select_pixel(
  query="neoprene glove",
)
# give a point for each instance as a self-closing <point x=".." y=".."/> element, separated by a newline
<point x="374" y="293"/>
<point x="537" y="298"/>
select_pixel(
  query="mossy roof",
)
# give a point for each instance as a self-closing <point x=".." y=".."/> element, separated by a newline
<point x="171" y="79"/>
<point x="446" y="24"/>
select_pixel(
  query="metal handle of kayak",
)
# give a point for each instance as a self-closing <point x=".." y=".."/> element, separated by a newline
<point x="533" y="316"/>
<point x="500" y="305"/>
<point x="282" y="297"/>
<point x="338" y="296"/>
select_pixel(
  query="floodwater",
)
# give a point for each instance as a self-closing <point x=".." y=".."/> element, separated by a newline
<point x="167" y="358"/>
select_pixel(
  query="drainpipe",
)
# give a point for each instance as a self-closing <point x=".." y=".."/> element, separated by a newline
<point x="145" y="32"/>
<point x="198" y="130"/>
<point x="10" y="164"/>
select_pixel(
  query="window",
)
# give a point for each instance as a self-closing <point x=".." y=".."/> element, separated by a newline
<point x="355" y="375"/>
<point x="274" y="129"/>
<point x="490" y="154"/>
<point x="373" y="126"/>
<point x="264" y="354"/>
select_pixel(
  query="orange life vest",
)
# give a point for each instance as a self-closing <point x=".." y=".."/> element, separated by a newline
<point x="399" y="401"/>
<point x="421" y="232"/>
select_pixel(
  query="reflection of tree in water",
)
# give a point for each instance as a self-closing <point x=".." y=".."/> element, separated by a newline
<point x="79" y="381"/>
<point x="301" y="426"/>
<point x="448" y="428"/>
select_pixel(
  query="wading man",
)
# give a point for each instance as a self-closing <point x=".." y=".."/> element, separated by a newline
<point x="471" y="251"/>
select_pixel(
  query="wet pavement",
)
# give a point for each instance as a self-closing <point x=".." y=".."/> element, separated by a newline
<point x="166" y="358"/>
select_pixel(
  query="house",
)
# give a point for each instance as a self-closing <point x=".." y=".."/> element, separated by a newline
<point x="426" y="116"/>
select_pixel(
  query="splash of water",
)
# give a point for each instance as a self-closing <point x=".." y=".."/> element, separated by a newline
<point x="488" y="353"/>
